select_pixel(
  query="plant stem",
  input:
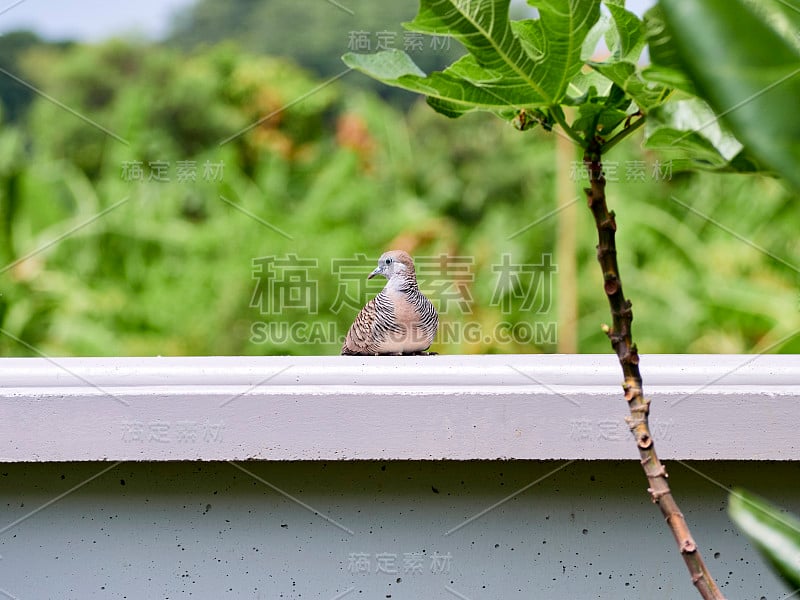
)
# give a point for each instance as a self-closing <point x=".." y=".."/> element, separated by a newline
<point x="623" y="134"/>
<point x="620" y="336"/>
<point x="574" y="135"/>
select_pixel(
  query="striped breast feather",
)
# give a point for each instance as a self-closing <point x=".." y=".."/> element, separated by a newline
<point x="429" y="319"/>
<point x="359" y="337"/>
<point x="369" y="328"/>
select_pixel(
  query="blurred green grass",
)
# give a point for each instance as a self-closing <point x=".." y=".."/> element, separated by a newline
<point x="168" y="269"/>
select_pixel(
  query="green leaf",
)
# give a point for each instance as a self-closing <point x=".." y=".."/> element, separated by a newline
<point x="781" y="16"/>
<point x="626" y="40"/>
<point x="746" y="71"/>
<point x="659" y="39"/>
<point x="588" y="85"/>
<point x="629" y="40"/>
<point x="598" y="31"/>
<point x="666" y="67"/>
<point x="668" y="77"/>
<point x="457" y="90"/>
<point x="510" y="66"/>
<point x="689" y="127"/>
<point x="597" y="119"/>
<point x="392" y="64"/>
<point x="646" y="94"/>
<point x="775" y="533"/>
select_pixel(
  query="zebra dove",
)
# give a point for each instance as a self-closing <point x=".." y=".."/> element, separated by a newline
<point x="400" y="319"/>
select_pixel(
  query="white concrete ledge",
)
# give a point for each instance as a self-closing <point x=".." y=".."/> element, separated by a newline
<point x="704" y="407"/>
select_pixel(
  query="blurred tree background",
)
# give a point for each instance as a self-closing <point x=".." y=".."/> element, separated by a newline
<point x="227" y="190"/>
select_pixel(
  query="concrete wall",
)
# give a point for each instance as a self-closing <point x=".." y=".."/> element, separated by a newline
<point x="317" y="530"/>
<point x="129" y="478"/>
<point x="539" y="407"/>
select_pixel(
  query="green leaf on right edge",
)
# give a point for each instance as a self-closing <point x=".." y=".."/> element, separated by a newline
<point x="666" y="66"/>
<point x="774" y="532"/>
<point x="747" y="72"/>
<point x="688" y="128"/>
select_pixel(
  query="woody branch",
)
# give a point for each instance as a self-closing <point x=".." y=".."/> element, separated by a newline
<point x="619" y="333"/>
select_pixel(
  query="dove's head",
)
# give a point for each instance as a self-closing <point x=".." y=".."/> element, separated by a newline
<point x="392" y="263"/>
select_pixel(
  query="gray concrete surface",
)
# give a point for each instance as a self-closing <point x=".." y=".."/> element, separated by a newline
<point x="377" y="530"/>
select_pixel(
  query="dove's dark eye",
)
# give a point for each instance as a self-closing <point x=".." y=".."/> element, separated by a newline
<point x="388" y="261"/>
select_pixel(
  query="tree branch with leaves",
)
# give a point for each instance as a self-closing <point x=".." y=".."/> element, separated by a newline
<point x="527" y="71"/>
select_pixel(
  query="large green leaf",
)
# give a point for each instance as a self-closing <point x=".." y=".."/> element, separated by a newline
<point x="746" y="70"/>
<point x="775" y="533"/>
<point x="783" y="16"/>
<point x="667" y="67"/>
<point x="628" y="39"/>
<point x="510" y="65"/>
<point x="687" y="132"/>
<point x="456" y="91"/>
<point x="690" y="126"/>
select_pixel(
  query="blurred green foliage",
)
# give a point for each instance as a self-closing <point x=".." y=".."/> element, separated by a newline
<point x="315" y="34"/>
<point x="16" y="98"/>
<point x="98" y="262"/>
